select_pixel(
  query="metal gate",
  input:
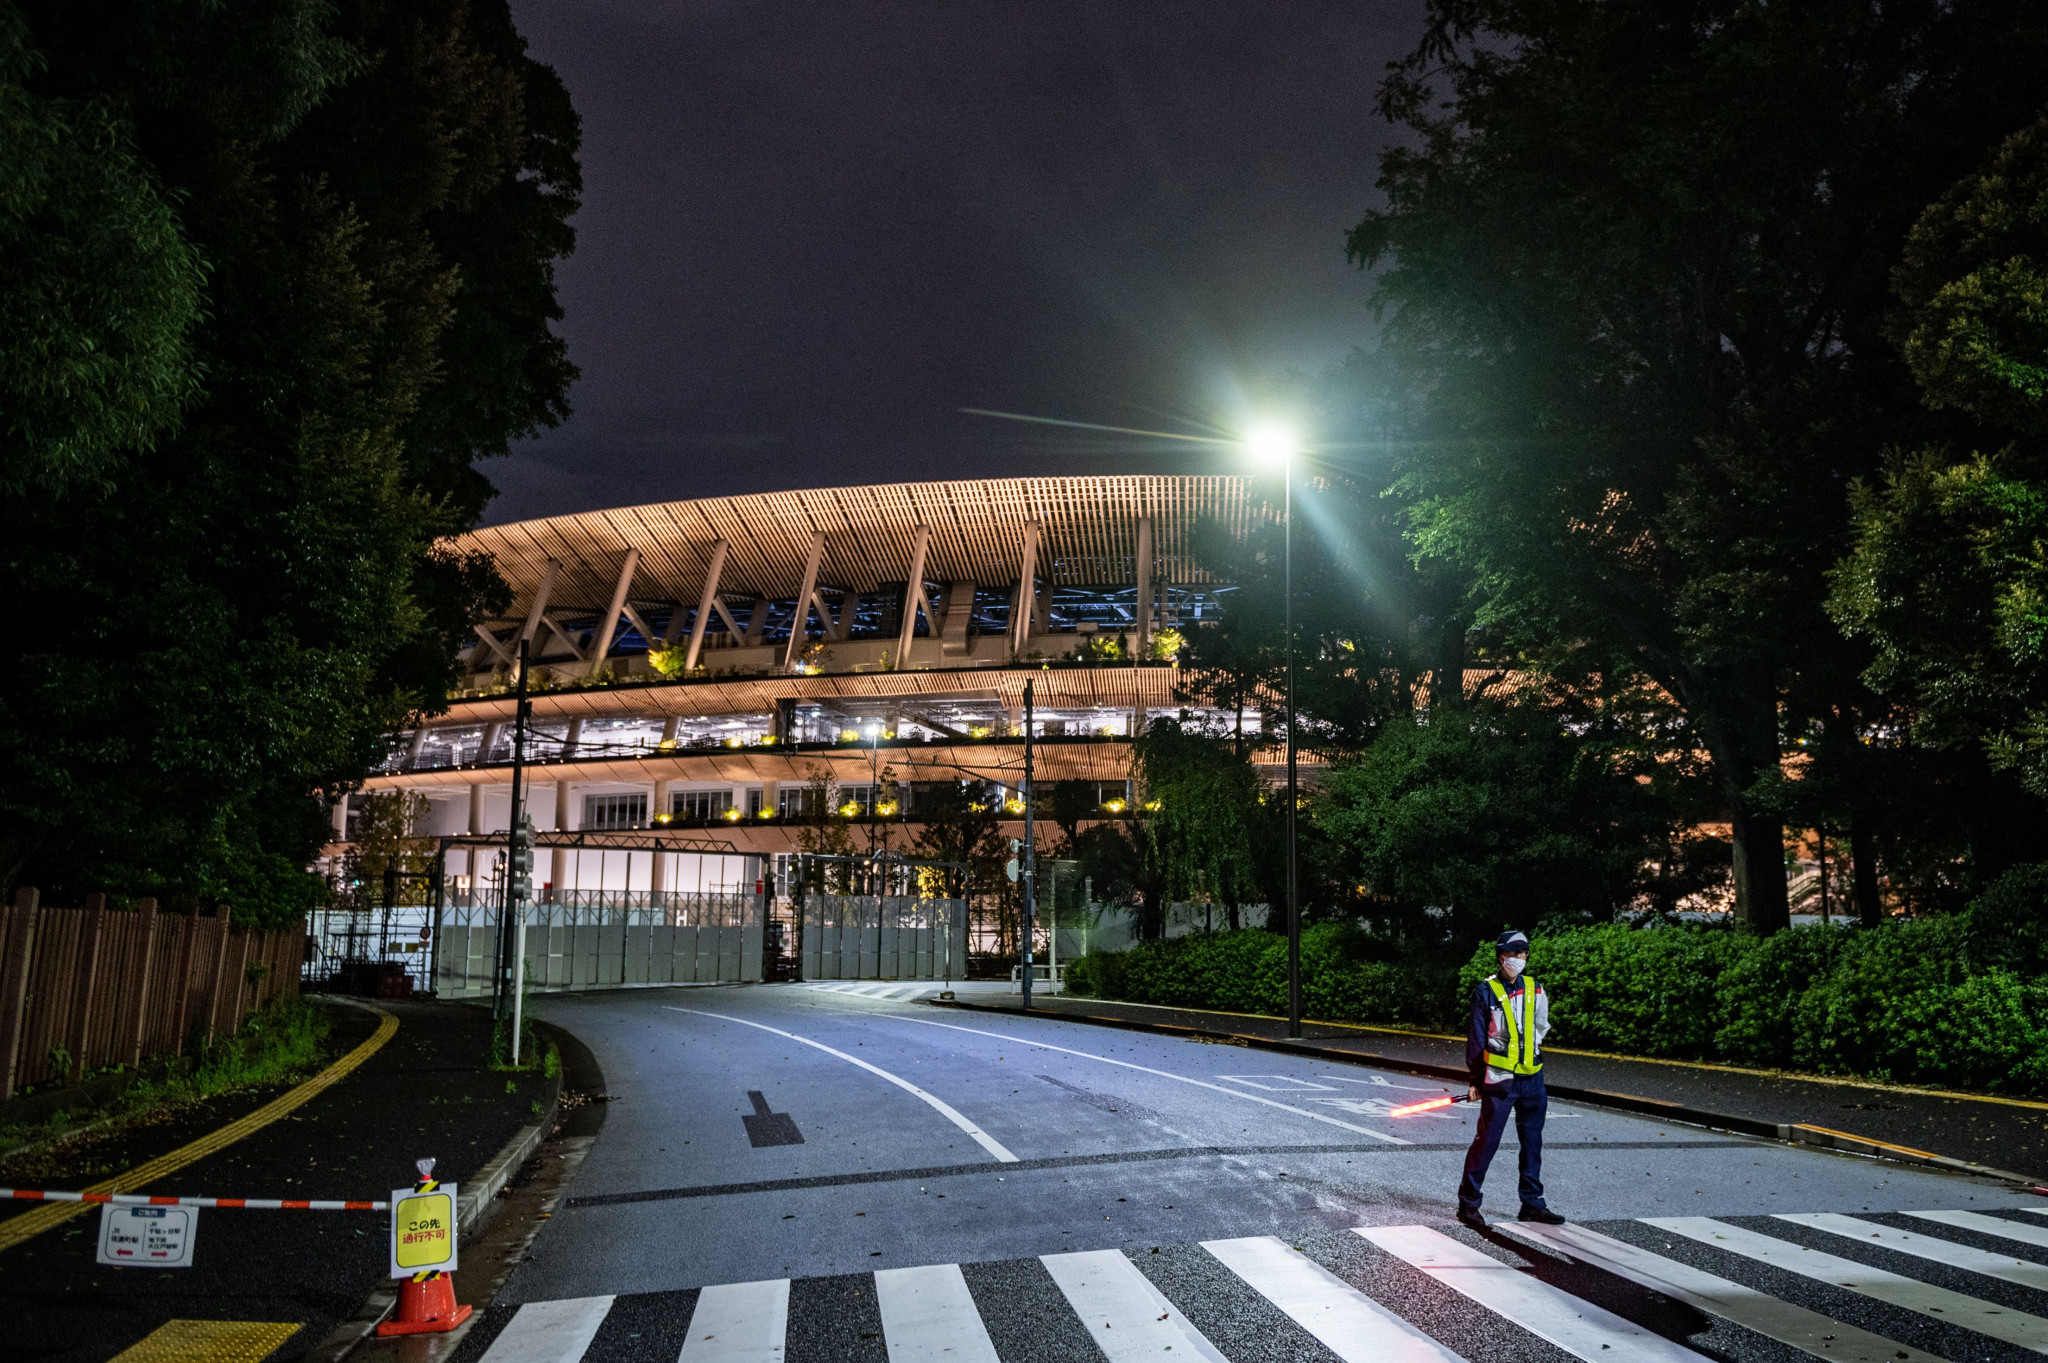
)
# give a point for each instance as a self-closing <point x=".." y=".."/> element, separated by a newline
<point x="878" y="937"/>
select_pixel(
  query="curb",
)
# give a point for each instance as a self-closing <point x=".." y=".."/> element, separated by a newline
<point x="478" y="1199"/>
<point x="1797" y="1133"/>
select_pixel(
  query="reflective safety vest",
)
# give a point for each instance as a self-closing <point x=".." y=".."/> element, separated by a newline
<point x="1521" y="1056"/>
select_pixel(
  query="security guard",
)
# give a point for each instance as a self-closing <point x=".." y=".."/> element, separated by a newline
<point x="1504" y="1053"/>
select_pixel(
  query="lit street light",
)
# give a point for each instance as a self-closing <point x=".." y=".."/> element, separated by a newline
<point x="1276" y="445"/>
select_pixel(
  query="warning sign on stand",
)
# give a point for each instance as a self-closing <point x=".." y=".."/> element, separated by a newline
<point x="422" y="1230"/>
<point x="148" y="1237"/>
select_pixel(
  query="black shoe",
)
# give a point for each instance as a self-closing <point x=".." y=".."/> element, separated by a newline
<point x="1471" y="1217"/>
<point x="1540" y="1214"/>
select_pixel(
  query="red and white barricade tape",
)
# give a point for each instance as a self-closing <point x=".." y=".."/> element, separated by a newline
<point x="257" y="1204"/>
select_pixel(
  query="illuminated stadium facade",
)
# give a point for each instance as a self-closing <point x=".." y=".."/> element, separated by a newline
<point x="706" y="671"/>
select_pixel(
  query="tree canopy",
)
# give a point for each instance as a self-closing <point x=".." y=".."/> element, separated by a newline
<point x="1635" y="275"/>
<point x="290" y="277"/>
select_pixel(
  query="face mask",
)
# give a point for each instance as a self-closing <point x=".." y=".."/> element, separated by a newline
<point x="1511" y="966"/>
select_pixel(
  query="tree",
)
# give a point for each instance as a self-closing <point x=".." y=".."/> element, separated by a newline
<point x="1206" y="813"/>
<point x="248" y="595"/>
<point x="1372" y="627"/>
<point x="1560" y="800"/>
<point x="1948" y="578"/>
<point x="1634" y="274"/>
<point x="99" y="290"/>
<point x="961" y="821"/>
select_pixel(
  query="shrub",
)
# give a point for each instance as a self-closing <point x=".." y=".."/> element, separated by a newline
<point x="1905" y="1001"/>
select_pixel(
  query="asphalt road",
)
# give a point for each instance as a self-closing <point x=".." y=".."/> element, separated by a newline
<point x="907" y="1168"/>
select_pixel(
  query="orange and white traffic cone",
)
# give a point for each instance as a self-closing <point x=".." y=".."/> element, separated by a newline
<point x="426" y="1300"/>
<point x="426" y="1306"/>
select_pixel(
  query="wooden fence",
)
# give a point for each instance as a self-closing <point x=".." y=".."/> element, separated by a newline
<point x="84" y="989"/>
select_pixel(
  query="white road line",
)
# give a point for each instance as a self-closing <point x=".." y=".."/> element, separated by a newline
<point x="2005" y="1267"/>
<point x="928" y="1316"/>
<point x="1808" y="1331"/>
<point x="739" y="1323"/>
<point x="1163" y="1074"/>
<point x="549" y="1331"/>
<point x="1350" y="1324"/>
<point x="1125" y="1314"/>
<point x="1988" y="1225"/>
<point x="1578" y="1327"/>
<point x="1953" y="1308"/>
<point x="981" y="1138"/>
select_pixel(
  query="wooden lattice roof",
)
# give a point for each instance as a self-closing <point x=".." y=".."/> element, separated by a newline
<point x="1089" y="536"/>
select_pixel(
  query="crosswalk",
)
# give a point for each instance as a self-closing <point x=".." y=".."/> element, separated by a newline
<point x="884" y="989"/>
<point x="1949" y="1285"/>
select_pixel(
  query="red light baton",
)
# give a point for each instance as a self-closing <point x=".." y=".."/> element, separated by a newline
<point x="1427" y="1105"/>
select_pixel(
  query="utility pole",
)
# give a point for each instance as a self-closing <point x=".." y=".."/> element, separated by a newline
<point x="517" y="882"/>
<point x="1293" y="795"/>
<point x="1030" y="847"/>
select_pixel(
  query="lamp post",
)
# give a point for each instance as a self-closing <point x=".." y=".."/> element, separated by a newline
<point x="1272" y="444"/>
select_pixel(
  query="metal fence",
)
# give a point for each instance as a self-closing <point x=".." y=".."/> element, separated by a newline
<point x="688" y="939"/>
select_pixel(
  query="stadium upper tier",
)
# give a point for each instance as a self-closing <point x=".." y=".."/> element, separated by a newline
<point x="694" y="662"/>
<point x="897" y="576"/>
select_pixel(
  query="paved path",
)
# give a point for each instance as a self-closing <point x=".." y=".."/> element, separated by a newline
<point x="424" y="1093"/>
<point x="794" y="1173"/>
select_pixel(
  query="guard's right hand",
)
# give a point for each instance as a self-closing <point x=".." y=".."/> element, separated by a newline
<point x="1471" y="1093"/>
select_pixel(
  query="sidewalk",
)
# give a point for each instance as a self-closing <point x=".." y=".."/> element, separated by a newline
<point x="425" y="1092"/>
<point x="2000" y="1134"/>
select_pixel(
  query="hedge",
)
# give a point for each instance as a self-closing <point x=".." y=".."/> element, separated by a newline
<point x="1907" y="1001"/>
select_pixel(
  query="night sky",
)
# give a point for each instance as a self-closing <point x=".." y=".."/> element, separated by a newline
<point x="812" y="231"/>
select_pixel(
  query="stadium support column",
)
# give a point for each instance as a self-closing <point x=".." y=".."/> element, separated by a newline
<point x="478" y="793"/>
<point x="538" y="610"/>
<point x="702" y="625"/>
<point x="565" y="818"/>
<point x="1024" y="614"/>
<point x="809" y="589"/>
<point x="914" y="599"/>
<point x="1144" y="606"/>
<point x="609" y="626"/>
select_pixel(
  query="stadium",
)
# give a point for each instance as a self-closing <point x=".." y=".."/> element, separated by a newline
<point x="715" y="683"/>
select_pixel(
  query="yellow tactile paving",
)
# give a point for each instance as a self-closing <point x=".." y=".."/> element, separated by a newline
<point x="210" y="1341"/>
<point x="16" y="1229"/>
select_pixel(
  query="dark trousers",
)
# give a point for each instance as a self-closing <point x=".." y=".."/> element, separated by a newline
<point x="1525" y="1096"/>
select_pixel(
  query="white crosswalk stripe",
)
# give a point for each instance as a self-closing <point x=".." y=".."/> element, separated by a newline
<point x="550" y="1331"/>
<point x="1350" y="1324"/>
<point x="1939" y="1303"/>
<point x="738" y="1323"/>
<point x="1103" y="1286"/>
<point x="2001" y="1266"/>
<point x="1805" y="1330"/>
<point x="1989" y="1225"/>
<point x="1578" y="1327"/>
<point x="930" y="1314"/>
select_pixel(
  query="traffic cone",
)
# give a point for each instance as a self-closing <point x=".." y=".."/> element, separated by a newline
<point x="426" y="1306"/>
<point x="426" y="1300"/>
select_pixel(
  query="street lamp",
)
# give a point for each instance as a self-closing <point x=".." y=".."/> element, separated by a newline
<point x="1275" y="445"/>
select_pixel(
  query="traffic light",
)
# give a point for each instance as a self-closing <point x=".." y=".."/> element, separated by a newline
<point x="520" y="884"/>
